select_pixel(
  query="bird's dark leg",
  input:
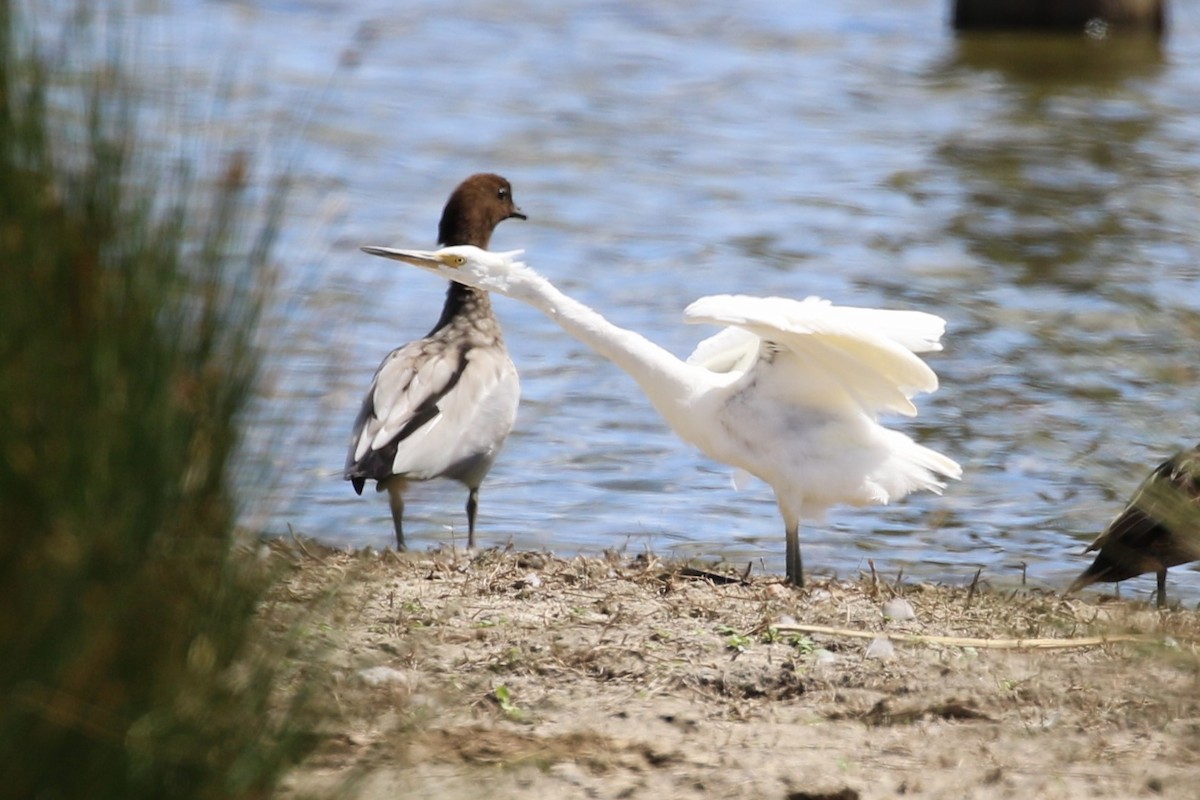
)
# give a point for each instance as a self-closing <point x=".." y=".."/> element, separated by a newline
<point x="472" y="507"/>
<point x="396" y="500"/>
<point x="795" y="568"/>
<point x="1162" y="588"/>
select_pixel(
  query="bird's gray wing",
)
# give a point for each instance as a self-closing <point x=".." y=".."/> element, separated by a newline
<point x="402" y="401"/>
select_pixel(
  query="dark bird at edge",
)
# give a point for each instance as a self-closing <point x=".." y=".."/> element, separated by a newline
<point x="1158" y="529"/>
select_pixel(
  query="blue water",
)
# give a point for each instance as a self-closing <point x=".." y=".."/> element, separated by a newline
<point x="1040" y="195"/>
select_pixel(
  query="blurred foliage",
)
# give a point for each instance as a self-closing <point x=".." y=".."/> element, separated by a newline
<point x="128" y="312"/>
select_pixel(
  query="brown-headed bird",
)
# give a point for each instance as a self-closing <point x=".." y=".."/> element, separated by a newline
<point x="442" y="406"/>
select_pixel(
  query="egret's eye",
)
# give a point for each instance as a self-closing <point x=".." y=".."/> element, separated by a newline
<point x="457" y="261"/>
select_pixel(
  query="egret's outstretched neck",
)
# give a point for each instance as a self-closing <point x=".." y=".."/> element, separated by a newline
<point x="663" y="377"/>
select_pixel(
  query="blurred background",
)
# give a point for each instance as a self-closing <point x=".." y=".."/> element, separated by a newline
<point x="1039" y="192"/>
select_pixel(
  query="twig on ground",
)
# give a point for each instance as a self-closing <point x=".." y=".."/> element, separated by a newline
<point x="964" y="641"/>
<point x="715" y="577"/>
<point x="974" y="583"/>
<point x="299" y="541"/>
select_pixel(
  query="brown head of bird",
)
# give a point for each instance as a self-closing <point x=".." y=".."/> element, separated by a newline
<point x="475" y="208"/>
<point x="432" y="411"/>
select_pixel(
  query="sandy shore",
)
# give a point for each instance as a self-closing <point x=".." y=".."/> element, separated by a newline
<point x="529" y="675"/>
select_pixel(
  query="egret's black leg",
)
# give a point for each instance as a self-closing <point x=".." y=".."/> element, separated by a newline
<point x="795" y="567"/>
<point x="472" y="508"/>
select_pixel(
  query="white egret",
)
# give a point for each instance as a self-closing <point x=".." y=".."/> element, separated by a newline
<point x="1158" y="529"/>
<point x="442" y="406"/>
<point x="790" y="392"/>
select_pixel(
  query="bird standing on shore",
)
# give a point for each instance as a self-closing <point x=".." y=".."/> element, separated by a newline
<point x="442" y="406"/>
<point x="1158" y="529"/>
<point x="789" y="393"/>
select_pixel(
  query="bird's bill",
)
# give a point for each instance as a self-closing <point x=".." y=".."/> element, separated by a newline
<point x="418" y="258"/>
<point x="517" y="214"/>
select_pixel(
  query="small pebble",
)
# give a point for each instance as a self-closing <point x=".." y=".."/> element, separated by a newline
<point x="899" y="609"/>
<point x="570" y="772"/>
<point x="1049" y="721"/>
<point x="377" y="676"/>
<point x="530" y="581"/>
<point x="881" y="648"/>
<point x="824" y="658"/>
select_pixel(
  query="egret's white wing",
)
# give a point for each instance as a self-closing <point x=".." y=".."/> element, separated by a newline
<point x="731" y="350"/>
<point x="918" y="331"/>
<point x="864" y="351"/>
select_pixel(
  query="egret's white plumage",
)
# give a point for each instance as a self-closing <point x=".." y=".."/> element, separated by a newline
<point x="791" y="392"/>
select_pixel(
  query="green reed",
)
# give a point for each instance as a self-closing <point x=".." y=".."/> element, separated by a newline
<point x="130" y="296"/>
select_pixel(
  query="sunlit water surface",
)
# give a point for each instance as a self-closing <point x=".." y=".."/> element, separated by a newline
<point x="1039" y="194"/>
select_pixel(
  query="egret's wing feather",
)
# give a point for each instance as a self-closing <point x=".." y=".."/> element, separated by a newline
<point x="858" y="371"/>
<point x="733" y="349"/>
<point x="917" y="331"/>
<point x="866" y="347"/>
<point x="863" y="351"/>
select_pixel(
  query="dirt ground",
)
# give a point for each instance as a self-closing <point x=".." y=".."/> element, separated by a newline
<point x="528" y="675"/>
